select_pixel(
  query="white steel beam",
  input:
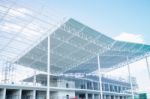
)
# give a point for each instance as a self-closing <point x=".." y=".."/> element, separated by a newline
<point x="130" y="79"/>
<point x="34" y="78"/>
<point x="148" y="67"/>
<point x="48" y="68"/>
<point x="100" y="76"/>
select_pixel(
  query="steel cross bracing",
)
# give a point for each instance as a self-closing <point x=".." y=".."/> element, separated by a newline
<point x="8" y="12"/>
<point x="125" y="63"/>
<point x="83" y="45"/>
<point x="73" y="31"/>
<point x="97" y="43"/>
<point x="128" y="50"/>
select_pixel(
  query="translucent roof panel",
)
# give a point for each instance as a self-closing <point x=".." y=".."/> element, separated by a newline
<point x="73" y="45"/>
<point x="21" y="26"/>
<point x="74" y="48"/>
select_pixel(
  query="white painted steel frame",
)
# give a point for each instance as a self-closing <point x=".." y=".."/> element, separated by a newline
<point x="103" y="52"/>
<point x="130" y="79"/>
<point x="148" y="67"/>
<point x="100" y="76"/>
<point x="48" y="67"/>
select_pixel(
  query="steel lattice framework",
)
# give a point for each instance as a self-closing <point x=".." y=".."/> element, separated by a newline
<point x="73" y="45"/>
<point x="74" y="48"/>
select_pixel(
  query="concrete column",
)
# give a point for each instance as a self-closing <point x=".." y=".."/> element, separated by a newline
<point x="34" y="94"/>
<point x="99" y="96"/>
<point x="92" y="85"/>
<point x="109" y="96"/>
<point x="4" y="93"/>
<point x="123" y="97"/>
<point x="86" y="95"/>
<point x="85" y="84"/>
<point x="20" y="93"/>
<point x="104" y="96"/>
<point x="108" y="87"/>
<point x="77" y="96"/>
<point x="93" y="96"/>
<point x="130" y="79"/>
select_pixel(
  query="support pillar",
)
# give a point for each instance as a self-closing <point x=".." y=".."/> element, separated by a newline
<point x="92" y="85"/>
<point x="4" y="93"/>
<point x="85" y="82"/>
<point x="48" y="68"/>
<point x="130" y="79"/>
<point x="34" y="94"/>
<point x="100" y="77"/>
<point x="20" y="93"/>
<point x="86" y="95"/>
<point x="148" y="67"/>
<point x="109" y="96"/>
<point x="99" y="96"/>
<point x="93" y="96"/>
<point x="34" y="79"/>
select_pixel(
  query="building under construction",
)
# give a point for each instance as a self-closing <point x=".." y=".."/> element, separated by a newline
<point x="68" y="59"/>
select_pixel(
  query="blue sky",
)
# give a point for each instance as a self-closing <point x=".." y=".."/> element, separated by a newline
<point x="110" y="17"/>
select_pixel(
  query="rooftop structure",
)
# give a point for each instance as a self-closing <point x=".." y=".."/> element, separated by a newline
<point x="60" y="48"/>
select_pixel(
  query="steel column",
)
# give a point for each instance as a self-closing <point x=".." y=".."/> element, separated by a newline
<point x="148" y="67"/>
<point x="100" y="77"/>
<point x="130" y="79"/>
<point x="34" y="79"/>
<point x="48" y="68"/>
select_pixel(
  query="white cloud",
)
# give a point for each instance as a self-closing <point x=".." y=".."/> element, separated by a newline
<point x="129" y="37"/>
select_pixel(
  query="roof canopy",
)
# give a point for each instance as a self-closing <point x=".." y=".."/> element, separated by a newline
<point x="21" y="27"/>
<point x="74" y="48"/>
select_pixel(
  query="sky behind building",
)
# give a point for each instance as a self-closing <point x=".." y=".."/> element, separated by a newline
<point x="110" y="17"/>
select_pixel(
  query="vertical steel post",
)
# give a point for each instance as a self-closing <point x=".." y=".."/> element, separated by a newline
<point x="148" y="67"/>
<point x="34" y="79"/>
<point x="130" y="79"/>
<point x="100" y="76"/>
<point x="48" y="67"/>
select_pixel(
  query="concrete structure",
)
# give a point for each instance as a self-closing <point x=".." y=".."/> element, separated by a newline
<point x="69" y="87"/>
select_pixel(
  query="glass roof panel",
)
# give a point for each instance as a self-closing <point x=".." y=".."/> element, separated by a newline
<point x="68" y="55"/>
<point x="74" y="24"/>
<point x="4" y="41"/>
<point x="26" y="28"/>
<point x="78" y="41"/>
<point x="21" y="26"/>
